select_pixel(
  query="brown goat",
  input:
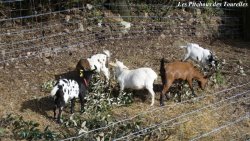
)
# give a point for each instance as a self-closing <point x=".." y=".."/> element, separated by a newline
<point x="83" y="64"/>
<point x="179" y="70"/>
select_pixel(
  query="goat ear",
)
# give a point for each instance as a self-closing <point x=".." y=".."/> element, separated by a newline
<point x="112" y="64"/>
<point x="125" y="67"/>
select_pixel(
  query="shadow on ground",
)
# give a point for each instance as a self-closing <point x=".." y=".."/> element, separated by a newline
<point x="39" y="105"/>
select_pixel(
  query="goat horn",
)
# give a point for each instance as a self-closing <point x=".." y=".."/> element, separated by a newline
<point x="94" y="68"/>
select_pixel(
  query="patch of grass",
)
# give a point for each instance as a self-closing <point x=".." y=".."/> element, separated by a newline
<point x="219" y="78"/>
<point x="23" y="129"/>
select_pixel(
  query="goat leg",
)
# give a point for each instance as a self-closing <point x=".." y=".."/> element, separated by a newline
<point x="162" y="99"/>
<point x="190" y="83"/>
<point x="55" y="107"/>
<point x="193" y="93"/>
<point x="162" y="94"/>
<point x="121" y="89"/>
<point x="72" y="105"/>
<point x="151" y="91"/>
<point x="81" y="97"/>
<point x="192" y="90"/>
<point x="166" y="86"/>
<point x="59" y="116"/>
<point x="179" y="97"/>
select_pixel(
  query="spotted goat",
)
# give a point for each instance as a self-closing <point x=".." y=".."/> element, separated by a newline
<point x="69" y="89"/>
<point x="101" y="61"/>
<point x="198" y="54"/>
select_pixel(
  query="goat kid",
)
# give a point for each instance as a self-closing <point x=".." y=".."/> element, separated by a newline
<point x="179" y="70"/>
<point x="63" y="91"/>
<point x="141" y="78"/>
<point x="99" y="62"/>
<point x="199" y="54"/>
<point x="66" y="90"/>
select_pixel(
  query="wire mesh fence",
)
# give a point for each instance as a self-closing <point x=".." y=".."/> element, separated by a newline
<point x="177" y="119"/>
<point x="49" y="27"/>
<point x="29" y="28"/>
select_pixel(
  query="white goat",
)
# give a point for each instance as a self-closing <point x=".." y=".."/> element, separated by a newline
<point x="141" y="78"/>
<point x="99" y="61"/>
<point x="199" y="54"/>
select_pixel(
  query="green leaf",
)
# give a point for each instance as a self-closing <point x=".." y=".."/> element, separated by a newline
<point x="2" y="130"/>
<point x="36" y="124"/>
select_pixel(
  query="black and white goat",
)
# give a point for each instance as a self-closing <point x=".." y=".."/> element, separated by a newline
<point x="199" y="54"/>
<point x="66" y="90"/>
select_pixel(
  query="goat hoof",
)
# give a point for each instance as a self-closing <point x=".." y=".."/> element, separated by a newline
<point x="162" y="104"/>
<point x="194" y="95"/>
<point x="59" y="121"/>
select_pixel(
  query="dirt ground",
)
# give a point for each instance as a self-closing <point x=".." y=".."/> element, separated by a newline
<point x="21" y="84"/>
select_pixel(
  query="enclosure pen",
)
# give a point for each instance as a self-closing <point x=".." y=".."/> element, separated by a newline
<point x="41" y="40"/>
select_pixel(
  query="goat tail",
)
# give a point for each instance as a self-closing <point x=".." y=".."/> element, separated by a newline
<point x="54" y="90"/>
<point x="107" y="53"/>
<point x="163" y="71"/>
<point x="162" y="64"/>
<point x="183" y="46"/>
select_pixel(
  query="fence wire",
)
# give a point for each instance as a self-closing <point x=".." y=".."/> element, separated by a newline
<point x="214" y="109"/>
<point x="188" y="118"/>
<point x="177" y="117"/>
<point x="21" y="35"/>
<point x="221" y="127"/>
<point x="150" y="110"/>
<point x="38" y="32"/>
